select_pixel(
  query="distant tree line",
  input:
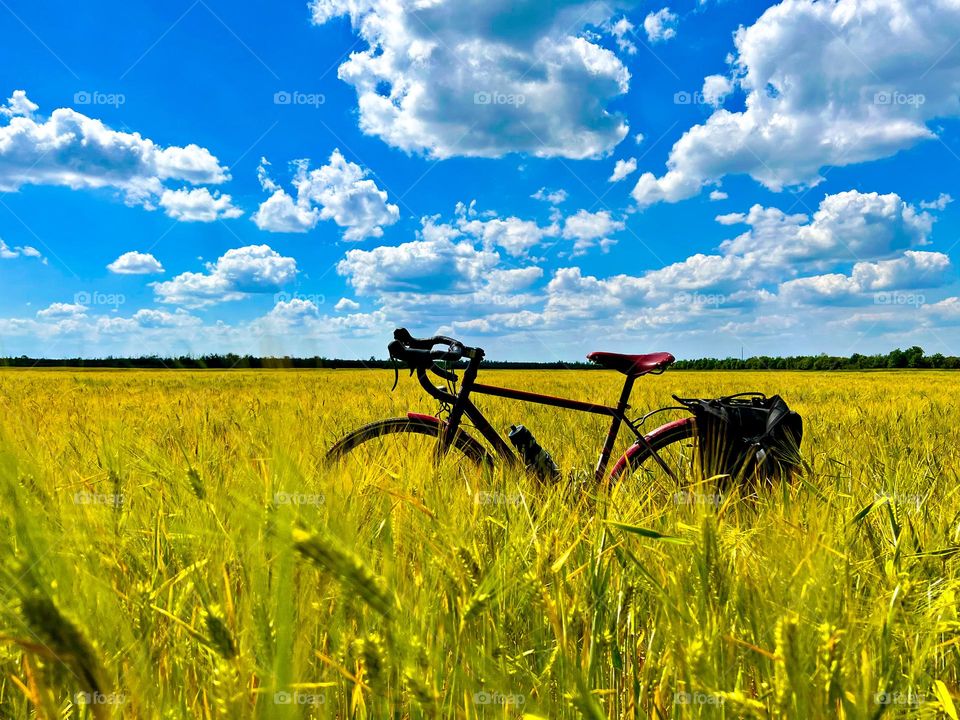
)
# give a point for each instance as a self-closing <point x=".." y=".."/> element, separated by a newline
<point x="913" y="357"/>
<point x="231" y="361"/>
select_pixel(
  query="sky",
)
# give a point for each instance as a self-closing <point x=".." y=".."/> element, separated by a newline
<point x="541" y="179"/>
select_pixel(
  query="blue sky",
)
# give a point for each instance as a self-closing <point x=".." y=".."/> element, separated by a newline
<point x="542" y="179"/>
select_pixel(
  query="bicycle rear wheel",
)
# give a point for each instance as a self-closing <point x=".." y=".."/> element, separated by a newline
<point x="396" y="445"/>
<point x="676" y="445"/>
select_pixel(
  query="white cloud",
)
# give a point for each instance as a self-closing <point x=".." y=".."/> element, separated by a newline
<point x="914" y="270"/>
<point x="482" y="78"/>
<point x="457" y="270"/>
<point x="72" y="150"/>
<point x="622" y="169"/>
<point x="554" y="197"/>
<point x="847" y="226"/>
<point x="198" y="205"/>
<point x="514" y="235"/>
<point x="437" y="265"/>
<point x="338" y="191"/>
<point x="238" y="273"/>
<point x="514" y="280"/>
<point x="135" y="263"/>
<point x="346" y="305"/>
<point x="660" y="25"/>
<point x="620" y="30"/>
<point x="718" y="195"/>
<point x="8" y="253"/>
<point x="149" y="318"/>
<point x="827" y="84"/>
<point x="62" y="311"/>
<point x="19" y="105"/>
<point x="587" y="229"/>
<point x="944" y="312"/>
<point x="281" y="213"/>
<point x="293" y="311"/>
<point x="939" y="204"/>
<point x="715" y="89"/>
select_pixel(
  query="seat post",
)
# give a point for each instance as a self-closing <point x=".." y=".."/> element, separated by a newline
<point x="622" y="406"/>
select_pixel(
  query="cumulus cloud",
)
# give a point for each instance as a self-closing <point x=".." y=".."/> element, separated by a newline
<point x="762" y="273"/>
<point x="587" y="229"/>
<point x="19" y="105"/>
<point x="715" y="89"/>
<point x="437" y="265"/>
<point x="135" y="263"/>
<point x="8" y="253"/>
<point x="237" y="274"/>
<point x="914" y="270"/>
<point x="61" y="311"/>
<point x="514" y="235"/>
<point x="198" y="205"/>
<point x="660" y="25"/>
<point x="847" y="226"/>
<point x="338" y="191"/>
<point x="72" y="150"/>
<point x="150" y="318"/>
<point x="479" y="265"/>
<point x="346" y="305"/>
<point x="939" y="204"/>
<point x="827" y="84"/>
<point x="294" y="311"/>
<point x="718" y="195"/>
<point x="621" y="30"/>
<point x="622" y="169"/>
<point x="554" y="197"/>
<point x="483" y="78"/>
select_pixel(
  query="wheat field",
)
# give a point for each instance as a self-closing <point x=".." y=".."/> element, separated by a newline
<point x="173" y="547"/>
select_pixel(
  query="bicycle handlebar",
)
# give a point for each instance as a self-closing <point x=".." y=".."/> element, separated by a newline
<point x="419" y="352"/>
<point x="419" y="355"/>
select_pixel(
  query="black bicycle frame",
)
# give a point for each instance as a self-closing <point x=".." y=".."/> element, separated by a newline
<point x="461" y="406"/>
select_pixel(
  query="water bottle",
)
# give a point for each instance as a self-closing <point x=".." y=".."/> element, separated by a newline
<point x="534" y="457"/>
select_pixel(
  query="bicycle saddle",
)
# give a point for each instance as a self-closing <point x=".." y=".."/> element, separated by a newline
<point x="633" y="365"/>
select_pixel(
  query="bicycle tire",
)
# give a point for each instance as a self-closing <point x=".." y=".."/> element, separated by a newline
<point x="658" y="440"/>
<point x="468" y="446"/>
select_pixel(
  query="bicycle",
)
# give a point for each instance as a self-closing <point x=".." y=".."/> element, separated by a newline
<point x="669" y="448"/>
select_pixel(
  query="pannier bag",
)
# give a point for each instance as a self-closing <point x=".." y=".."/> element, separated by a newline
<point x="747" y="438"/>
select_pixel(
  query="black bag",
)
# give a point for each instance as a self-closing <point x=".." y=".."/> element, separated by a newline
<point x="747" y="438"/>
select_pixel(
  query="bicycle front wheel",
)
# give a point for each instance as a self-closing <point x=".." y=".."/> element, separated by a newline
<point x="396" y="446"/>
